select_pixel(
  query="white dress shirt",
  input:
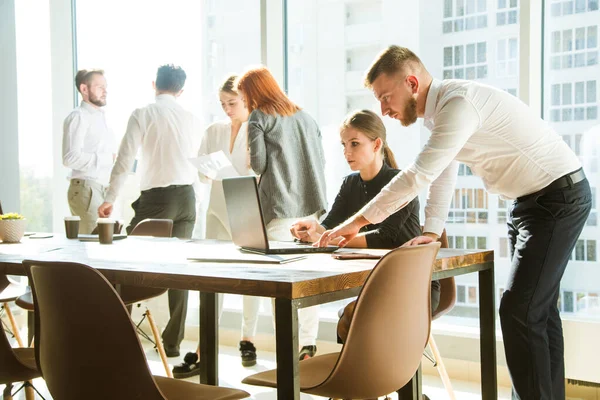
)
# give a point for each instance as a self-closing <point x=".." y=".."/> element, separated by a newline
<point x="218" y="138"/>
<point x="88" y="144"/>
<point x="513" y="151"/>
<point x="168" y="135"/>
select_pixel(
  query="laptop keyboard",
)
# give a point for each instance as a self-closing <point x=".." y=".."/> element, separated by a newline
<point x="288" y="245"/>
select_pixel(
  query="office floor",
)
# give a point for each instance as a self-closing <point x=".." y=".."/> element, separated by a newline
<point x="231" y="373"/>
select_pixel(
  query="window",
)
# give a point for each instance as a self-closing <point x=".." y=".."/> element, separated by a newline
<point x="571" y="109"/>
<point x="467" y="295"/>
<point x="469" y="206"/>
<point x="573" y="101"/>
<point x="508" y="12"/>
<point x="466" y="61"/>
<point x="502" y="211"/>
<point x="559" y="8"/>
<point x="507" y="61"/>
<point x="467" y="242"/>
<point x="464" y="170"/>
<point x="464" y="15"/>
<point x="585" y="250"/>
<point x="574" y="48"/>
<point x="208" y="39"/>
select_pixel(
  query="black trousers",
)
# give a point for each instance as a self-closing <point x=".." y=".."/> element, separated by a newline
<point x="177" y="202"/>
<point x="543" y="229"/>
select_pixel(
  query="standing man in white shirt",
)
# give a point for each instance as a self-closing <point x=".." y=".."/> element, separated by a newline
<point x="518" y="156"/>
<point x="89" y="148"/>
<point x="168" y="136"/>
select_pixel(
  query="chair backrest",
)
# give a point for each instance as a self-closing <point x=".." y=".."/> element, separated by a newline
<point x="153" y="227"/>
<point x="389" y="329"/>
<point x="4" y="282"/>
<point x="86" y="345"/>
<point x="447" y="288"/>
<point x="12" y="369"/>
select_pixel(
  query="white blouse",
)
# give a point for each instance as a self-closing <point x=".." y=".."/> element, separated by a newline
<point x="217" y="138"/>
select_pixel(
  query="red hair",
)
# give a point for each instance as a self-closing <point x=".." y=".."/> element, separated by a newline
<point x="261" y="92"/>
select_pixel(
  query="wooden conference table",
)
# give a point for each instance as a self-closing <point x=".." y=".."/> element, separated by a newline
<point x="317" y="279"/>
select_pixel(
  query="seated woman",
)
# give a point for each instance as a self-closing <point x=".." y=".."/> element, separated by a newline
<point x="363" y="138"/>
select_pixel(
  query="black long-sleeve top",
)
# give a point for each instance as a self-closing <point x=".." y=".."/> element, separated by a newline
<point x="394" y="231"/>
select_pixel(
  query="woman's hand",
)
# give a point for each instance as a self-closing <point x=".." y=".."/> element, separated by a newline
<point x="348" y="231"/>
<point x="305" y="230"/>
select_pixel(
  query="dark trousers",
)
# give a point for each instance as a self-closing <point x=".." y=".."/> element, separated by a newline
<point x="177" y="202"/>
<point x="543" y="230"/>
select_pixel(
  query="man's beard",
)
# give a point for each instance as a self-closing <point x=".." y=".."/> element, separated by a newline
<point x="97" y="101"/>
<point x="410" y="113"/>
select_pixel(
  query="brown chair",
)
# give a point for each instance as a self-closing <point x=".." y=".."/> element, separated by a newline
<point x="18" y="365"/>
<point x="447" y="300"/>
<point x="134" y="294"/>
<point x="115" y="366"/>
<point x="394" y="298"/>
<point x="10" y="291"/>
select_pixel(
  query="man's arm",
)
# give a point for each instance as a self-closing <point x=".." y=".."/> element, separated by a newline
<point x="454" y="125"/>
<point x="127" y="151"/>
<point x="74" y="130"/>
<point x="439" y="198"/>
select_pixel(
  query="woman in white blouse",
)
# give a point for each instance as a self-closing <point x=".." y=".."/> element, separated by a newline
<point x="231" y="137"/>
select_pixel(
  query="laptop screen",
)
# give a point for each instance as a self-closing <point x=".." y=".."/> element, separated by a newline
<point x="245" y="215"/>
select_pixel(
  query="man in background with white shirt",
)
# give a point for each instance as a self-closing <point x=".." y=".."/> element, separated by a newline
<point x="518" y="156"/>
<point x="89" y="148"/>
<point x="168" y="136"/>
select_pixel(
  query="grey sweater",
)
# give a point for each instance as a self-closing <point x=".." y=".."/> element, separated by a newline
<point x="288" y="154"/>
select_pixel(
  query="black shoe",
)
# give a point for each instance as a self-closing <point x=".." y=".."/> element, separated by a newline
<point x="189" y="367"/>
<point x="248" y="352"/>
<point x="307" y="352"/>
<point x="171" y="351"/>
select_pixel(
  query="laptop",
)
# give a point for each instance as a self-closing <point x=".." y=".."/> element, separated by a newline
<point x="247" y="224"/>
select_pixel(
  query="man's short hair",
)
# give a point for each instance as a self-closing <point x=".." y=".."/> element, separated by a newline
<point x="85" y="76"/>
<point x="170" y="78"/>
<point x="392" y="60"/>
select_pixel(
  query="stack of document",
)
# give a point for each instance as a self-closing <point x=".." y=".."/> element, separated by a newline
<point x="215" y="166"/>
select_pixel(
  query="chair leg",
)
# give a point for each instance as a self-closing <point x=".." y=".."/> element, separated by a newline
<point x="441" y="368"/>
<point x="29" y="393"/>
<point x="7" y="394"/>
<point x="13" y="324"/>
<point x="159" y="345"/>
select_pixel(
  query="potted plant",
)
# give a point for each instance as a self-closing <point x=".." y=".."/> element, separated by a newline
<point x="12" y="227"/>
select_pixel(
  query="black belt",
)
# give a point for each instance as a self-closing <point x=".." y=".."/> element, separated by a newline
<point x="564" y="181"/>
<point x="157" y="189"/>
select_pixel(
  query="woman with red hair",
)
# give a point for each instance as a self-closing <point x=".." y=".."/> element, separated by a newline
<point x="286" y="151"/>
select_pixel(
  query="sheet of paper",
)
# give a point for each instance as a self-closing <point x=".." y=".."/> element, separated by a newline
<point x="215" y="166"/>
